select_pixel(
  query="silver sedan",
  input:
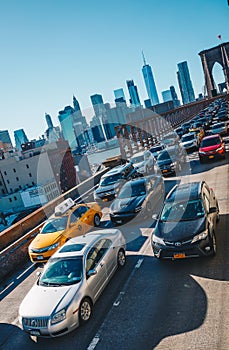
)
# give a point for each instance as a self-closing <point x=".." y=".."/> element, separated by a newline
<point x="71" y="282"/>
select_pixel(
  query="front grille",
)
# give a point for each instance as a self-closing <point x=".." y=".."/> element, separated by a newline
<point x="35" y="322"/>
<point x="40" y="250"/>
<point x="178" y="243"/>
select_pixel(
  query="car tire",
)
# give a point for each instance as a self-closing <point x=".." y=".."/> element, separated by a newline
<point x="121" y="258"/>
<point x="85" y="311"/>
<point x="213" y="244"/>
<point x="96" y="220"/>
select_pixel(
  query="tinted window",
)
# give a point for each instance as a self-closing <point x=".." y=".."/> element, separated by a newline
<point x="210" y="142"/>
<point x="182" y="211"/>
<point x="54" y="225"/>
<point x="62" y="272"/>
<point x="133" y="190"/>
<point x="110" y="180"/>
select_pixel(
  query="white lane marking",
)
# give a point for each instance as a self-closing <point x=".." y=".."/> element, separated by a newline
<point x="117" y="302"/>
<point x="93" y="343"/>
<point x="139" y="263"/>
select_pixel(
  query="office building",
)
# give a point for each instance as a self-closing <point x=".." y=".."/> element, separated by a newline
<point x="174" y="96"/>
<point x="5" y="138"/>
<point x="185" y="84"/>
<point x="166" y="95"/>
<point x="66" y="122"/>
<point x="149" y="82"/>
<point x="20" y="138"/>
<point x="119" y="96"/>
<point x="133" y="91"/>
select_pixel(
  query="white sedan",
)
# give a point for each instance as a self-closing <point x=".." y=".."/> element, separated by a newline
<point x="71" y="282"/>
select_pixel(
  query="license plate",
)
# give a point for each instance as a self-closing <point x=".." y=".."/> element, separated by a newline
<point x="105" y="199"/>
<point x="211" y="157"/>
<point x="33" y="332"/>
<point x="164" y="171"/>
<point x="179" y="256"/>
<point x="40" y="257"/>
<point x="119" y="221"/>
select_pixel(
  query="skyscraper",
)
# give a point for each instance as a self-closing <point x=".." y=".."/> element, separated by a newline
<point x="174" y="96"/>
<point x="5" y="137"/>
<point x="133" y="91"/>
<point x="119" y="96"/>
<point x="20" y="138"/>
<point x="66" y="122"/>
<point x="185" y="84"/>
<point x="166" y="95"/>
<point x="149" y="82"/>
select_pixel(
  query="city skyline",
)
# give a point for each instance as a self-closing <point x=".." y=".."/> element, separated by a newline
<point x="44" y="63"/>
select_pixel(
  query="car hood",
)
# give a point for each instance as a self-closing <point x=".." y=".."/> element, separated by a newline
<point x="43" y="301"/>
<point x="108" y="188"/>
<point x="127" y="204"/>
<point x="175" y="231"/>
<point x="210" y="148"/>
<point x="43" y="240"/>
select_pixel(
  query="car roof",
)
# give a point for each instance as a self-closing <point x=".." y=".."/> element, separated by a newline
<point x="78" y="245"/>
<point x="116" y="170"/>
<point x="186" y="191"/>
<point x="211" y="137"/>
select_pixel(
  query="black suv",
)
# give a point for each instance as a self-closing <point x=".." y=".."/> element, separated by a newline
<point x="171" y="160"/>
<point x="187" y="224"/>
<point x="111" y="182"/>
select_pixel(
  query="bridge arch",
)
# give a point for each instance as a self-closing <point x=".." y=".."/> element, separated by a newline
<point x="218" y="54"/>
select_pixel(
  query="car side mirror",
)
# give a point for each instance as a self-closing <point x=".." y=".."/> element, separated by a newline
<point x="91" y="273"/>
<point x="212" y="210"/>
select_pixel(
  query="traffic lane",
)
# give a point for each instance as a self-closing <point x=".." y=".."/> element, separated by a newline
<point x="11" y="336"/>
<point x="180" y="304"/>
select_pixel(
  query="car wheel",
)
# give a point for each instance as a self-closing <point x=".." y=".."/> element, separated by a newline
<point x="213" y="244"/>
<point x="85" y="310"/>
<point x="121" y="259"/>
<point x="96" y="220"/>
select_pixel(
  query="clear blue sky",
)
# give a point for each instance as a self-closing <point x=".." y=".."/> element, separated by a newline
<point x="52" y="49"/>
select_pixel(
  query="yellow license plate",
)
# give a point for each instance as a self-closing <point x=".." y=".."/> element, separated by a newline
<point x="164" y="171"/>
<point x="211" y="156"/>
<point x="179" y="256"/>
<point x="105" y="199"/>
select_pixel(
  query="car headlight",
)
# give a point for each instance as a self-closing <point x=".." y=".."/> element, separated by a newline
<point x="200" y="236"/>
<point x="53" y="246"/>
<point x="173" y="165"/>
<point x="202" y="152"/>
<point x="219" y="149"/>
<point x="58" y="316"/>
<point x="158" y="240"/>
<point x="137" y="209"/>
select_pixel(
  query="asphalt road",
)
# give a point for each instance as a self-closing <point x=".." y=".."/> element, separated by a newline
<point x="149" y="304"/>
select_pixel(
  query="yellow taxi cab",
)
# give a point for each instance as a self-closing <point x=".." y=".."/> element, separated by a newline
<point x="199" y="131"/>
<point x="68" y="221"/>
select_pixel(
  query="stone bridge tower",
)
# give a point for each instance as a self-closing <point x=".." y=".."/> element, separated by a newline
<point x="209" y="57"/>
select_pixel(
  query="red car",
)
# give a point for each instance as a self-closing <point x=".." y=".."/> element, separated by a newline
<point x="212" y="147"/>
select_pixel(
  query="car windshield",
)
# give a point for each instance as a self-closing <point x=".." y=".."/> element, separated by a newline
<point x="64" y="271"/>
<point x="188" y="138"/>
<point x="182" y="211"/>
<point x="156" y="149"/>
<point x="217" y="126"/>
<point x="210" y="142"/>
<point x="132" y="190"/>
<point x="110" y="180"/>
<point x="164" y="156"/>
<point x="137" y="159"/>
<point x="54" y="225"/>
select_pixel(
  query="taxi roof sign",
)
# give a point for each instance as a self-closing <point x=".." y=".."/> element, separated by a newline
<point x="64" y="206"/>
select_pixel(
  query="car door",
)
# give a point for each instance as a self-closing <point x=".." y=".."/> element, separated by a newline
<point x="76" y="227"/>
<point x="94" y="262"/>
